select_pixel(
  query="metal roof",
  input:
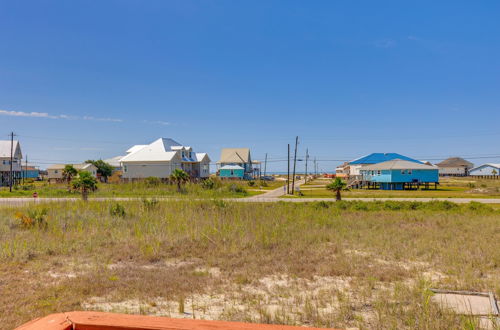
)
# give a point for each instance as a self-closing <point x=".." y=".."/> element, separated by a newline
<point x="398" y="164"/>
<point x="487" y="164"/>
<point x="82" y="166"/>
<point x="5" y="149"/>
<point x="232" y="167"/>
<point x="380" y="157"/>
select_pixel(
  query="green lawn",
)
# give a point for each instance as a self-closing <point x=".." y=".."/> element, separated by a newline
<point x="135" y="189"/>
<point x="448" y="188"/>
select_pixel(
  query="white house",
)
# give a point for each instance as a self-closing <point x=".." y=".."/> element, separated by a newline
<point x="55" y="172"/>
<point x="5" y="150"/>
<point x="161" y="157"/>
<point x="485" y="169"/>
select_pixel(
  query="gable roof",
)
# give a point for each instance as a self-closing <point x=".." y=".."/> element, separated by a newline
<point x="231" y="167"/>
<point x="379" y="157"/>
<point x="200" y="156"/>
<point x="159" y="150"/>
<point x="235" y="155"/>
<point x="497" y="166"/>
<point x="114" y="161"/>
<point x="455" y="162"/>
<point x="5" y="149"/>
<point x="135" y="148"/>
<point x="79" y="167"/>
<point x="398" y="164"/>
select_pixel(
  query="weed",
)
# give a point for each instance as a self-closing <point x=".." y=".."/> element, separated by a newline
<point x="117" y="210"/>
<point x="33" y="218"/>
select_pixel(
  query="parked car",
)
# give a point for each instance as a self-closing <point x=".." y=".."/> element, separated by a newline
<point x="267" y="178"/>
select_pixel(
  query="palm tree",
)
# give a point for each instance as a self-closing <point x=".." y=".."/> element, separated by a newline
<point x="494" y="172"/>
<point x="85" y="182"/>
<point x="336" y="186"/>
<point x="179" y="177"/>
<point x="68" y="173"/>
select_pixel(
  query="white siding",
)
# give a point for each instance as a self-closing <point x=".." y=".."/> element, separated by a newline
<point x="147" y="169"/>
<point x="485" y="170"/>
<point x="452" y="170"/>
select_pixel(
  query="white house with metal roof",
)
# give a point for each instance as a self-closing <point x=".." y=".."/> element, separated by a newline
<point x="55" y="172"/>
<point x="5" y="152"/>
<point x="489" y="169"/>
<point x="161" y="157"/>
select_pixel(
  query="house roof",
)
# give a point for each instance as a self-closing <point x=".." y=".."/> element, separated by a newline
<point x="455" y="162"/>
<point x="497" y="166"/>
<point x="135" y="148"/>
<point x="5" y="149"/>
<point x="79" y="167"/>
<point x="114" y="161"/>
<point x="379" y="157"/>
<point x="232" y="167"/>
<point x="159" y="150"/>
<point x="235" y="155"/>
<point x="200" y="156"/>
<point x="397" y="164"/>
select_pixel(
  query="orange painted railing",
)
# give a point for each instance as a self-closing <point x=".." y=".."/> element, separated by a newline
<point x="111" y="321"/>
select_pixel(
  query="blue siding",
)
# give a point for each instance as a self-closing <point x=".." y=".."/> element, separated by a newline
<point x="396" y="176"/>
<point x="227" y="173"/>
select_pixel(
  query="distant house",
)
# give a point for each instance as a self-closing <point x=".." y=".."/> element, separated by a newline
<point x="30" y="172"/>
<point x="55" y="172"/>
<point x="5" y="152"/>
<point x="454" y="166"/>
<point x="237" y="157"/>
<point x="354" y="166"/>
<point x="160" y="158"/>
<point x="485" y="170"/>
<point x="115" y="162"/>
<point x="398" y="174"/>
<point x="232" y="171"/>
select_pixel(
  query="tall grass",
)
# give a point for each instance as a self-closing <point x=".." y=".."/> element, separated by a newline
<point x="374" y="245"/>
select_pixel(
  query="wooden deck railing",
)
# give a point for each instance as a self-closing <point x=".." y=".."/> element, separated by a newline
<point x="111" y="321"/>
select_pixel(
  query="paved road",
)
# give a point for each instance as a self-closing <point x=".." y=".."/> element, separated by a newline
<point x="253" y="199"/>
<point x="278" y="192"/>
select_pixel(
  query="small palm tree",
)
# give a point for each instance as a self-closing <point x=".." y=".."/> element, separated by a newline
<point x="494" y="172"/>
<point x="85" y="182"/>
<point x="68" y="173"/>
<point x="336" y="186"/>
<point x="179" y="177"/>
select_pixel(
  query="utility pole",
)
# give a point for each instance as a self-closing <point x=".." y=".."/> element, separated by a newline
<point x="25" y="170"/>
<point x="307" y="157"/>
<point x="288" y="173"/>
<point x="315" y="168"/>
<point x="294" y="164"/>
<point x="265" y="165"/>
<point x="11" y="178"/>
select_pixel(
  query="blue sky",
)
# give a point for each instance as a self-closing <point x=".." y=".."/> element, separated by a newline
<point x="88" y="79"/>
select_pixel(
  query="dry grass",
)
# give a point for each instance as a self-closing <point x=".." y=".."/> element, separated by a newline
<point x="365" y="265"/>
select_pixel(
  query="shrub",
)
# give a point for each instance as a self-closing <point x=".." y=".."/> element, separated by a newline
<point x="211" y="183"/>
<point x="321" y="205"/>
<point x="34" y="218"/>
<point x="251" y="183"/>
<point x="152" y="181"/>
<point x="236" y="188"/>
<point x="150" y="204"/>
<point x="117" y="210"/>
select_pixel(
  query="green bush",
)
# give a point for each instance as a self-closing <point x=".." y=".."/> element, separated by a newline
<point x="152" y="181"/>
<point x="251" y="183"/>
<point x="236" y="188"/>
<point x="117" y="210"/>
<point x="211" y="183"/>
<point x="150" y="204"/>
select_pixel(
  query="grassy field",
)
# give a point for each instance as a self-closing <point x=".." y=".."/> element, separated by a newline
<point x="141" y="189"/>
<point x="448" y="188"/>
<point x="347" y="264"/>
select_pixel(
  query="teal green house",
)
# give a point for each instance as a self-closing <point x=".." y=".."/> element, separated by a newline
<point x="232" y="171"/>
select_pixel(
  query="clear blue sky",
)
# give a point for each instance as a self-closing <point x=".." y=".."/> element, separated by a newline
<point x="88" y="79"/>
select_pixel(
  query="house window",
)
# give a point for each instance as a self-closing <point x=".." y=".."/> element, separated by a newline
<point x="403" y="171"/>
<point x="232" y="172"/>
<point x="125" y="168"/>
<point x="379" y="172"/>
<point x="409" y="171"/>
<point x="56" y="171"/>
